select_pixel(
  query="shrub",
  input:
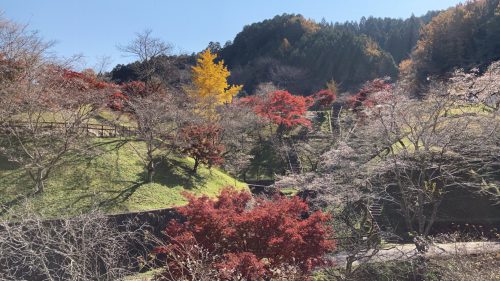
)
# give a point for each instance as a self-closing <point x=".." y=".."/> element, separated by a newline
<point x="246" y="237"/>
<point x="281" y="108"/>
<point x="202" y="142"/>
<point x="324" y="98"/>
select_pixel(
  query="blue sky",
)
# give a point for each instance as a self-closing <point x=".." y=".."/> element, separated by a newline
<point x="94" y="28"/>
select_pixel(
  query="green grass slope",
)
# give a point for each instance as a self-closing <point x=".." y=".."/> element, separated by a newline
<point x="113" y="182"/>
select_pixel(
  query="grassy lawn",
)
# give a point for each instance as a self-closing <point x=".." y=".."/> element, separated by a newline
<point x="290" y="191"/>
<point x="106" y="116"/>
<point x="146" y="276"/>
<point x="113" y="182"/>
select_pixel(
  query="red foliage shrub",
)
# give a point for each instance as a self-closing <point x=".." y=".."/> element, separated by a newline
<point x="281" y="108"/>
<point x="134" y="88"/>
<point x="365" y="97"/>
<point x="246" y="265"/>
<point x="9" y="69"/>
<point x="251" y="242"/>
<point x="85" y="81"/>
<point x="117" y="101"/>
<point x="202" y="142"/>
<point x="324" y="98"/>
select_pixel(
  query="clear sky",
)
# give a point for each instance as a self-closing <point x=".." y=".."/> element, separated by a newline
<point x="94" y="28"/>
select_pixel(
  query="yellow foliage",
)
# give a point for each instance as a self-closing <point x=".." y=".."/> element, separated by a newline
<point x="285" y="45"/>
<point x="210" y="79"/>
<point x="372" y="49"/>
<point x="405" y="66"/>
<point x="332" y="86"/>
<point x="308" y="25"/>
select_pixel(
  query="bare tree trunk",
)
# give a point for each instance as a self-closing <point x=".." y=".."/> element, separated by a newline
<point x="348" y="268"/>
<point x="151" y="171"/>
<point x="196" y="164"/>
<point x="39" y="186"/>
<point x="150" y="167"/>
<point x="433" y="216"/>
<point x="420" y="212"/>
<point x="39" y="178"/>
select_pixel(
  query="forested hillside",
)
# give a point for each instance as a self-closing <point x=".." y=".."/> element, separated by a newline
<point x="466" y="36"/>
<point x="301" y="55"/>
<point x="171" y="70"/>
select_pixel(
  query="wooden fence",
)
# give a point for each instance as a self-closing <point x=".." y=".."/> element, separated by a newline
<point x="97" y="130"/>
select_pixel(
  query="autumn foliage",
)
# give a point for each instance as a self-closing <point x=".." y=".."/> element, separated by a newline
<point x="118" y="100"/>
<point x="249" y="237"/>
<point x="86" y="80"/>
<point x="366" y="97"/>
<point x="210" y="79"/>
<point x="120" y="94"/>
<point x="324" y="98"/>
<point x="134" y="88"/>
<point x="202" y="142"/>
<point x="281" y="108"/>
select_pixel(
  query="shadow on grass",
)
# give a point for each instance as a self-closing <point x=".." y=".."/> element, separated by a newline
<point x="6" y="165"/>
<point x="172" y="172"/>
<point x="78" y="192"/>
<point x="14" y="185"/>
<point x="96" y="150"/>
<point x="5" y="207"/>
<point x="169" y="173"/>
<point x="122" y="195"/>
<point x="94" y="200"/>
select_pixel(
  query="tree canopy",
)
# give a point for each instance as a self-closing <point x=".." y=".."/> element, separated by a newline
<point x="465" y="36"/>
<point x="210" y="79"/>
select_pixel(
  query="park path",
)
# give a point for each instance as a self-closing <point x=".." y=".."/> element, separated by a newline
<point x="409" y="251"/>
<point x="400" y="252"/>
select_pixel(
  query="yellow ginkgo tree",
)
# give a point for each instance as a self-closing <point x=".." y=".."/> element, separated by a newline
<point x="210" y="80"/>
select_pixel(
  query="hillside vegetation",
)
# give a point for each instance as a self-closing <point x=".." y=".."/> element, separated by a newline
<point x="412" y="157"/>
<point x="465" y="36"/>
<point x="301" y="55"/>
<point x="112" y="181"/>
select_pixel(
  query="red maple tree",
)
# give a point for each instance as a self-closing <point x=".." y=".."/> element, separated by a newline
<point x="85" y="80"/>
<point x="118" y="100"/>
<point x="365" y="97"/>
<point x="134" y="88"/>
<point x="202" y="142"/>
<point x="118" y="96"/>
<point x="324" y="98"/>
<point x="249" y="241"/>
<point x="281" y="108"/>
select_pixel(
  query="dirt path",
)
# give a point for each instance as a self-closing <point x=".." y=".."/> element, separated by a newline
<point x="408" y="251"/>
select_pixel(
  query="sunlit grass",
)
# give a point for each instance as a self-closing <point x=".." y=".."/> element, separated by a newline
<point x="113" y="182"/>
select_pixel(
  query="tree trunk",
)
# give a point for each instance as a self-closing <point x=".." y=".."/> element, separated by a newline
<point x="348" y="268"/>
<point x="151" y="163"/>
<point x="39" y="186"/>
<point x="280" y="131"/>
<point x="151" y="171"/>
<point x="40" y="177"/>
<point x="196" y="164"/>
